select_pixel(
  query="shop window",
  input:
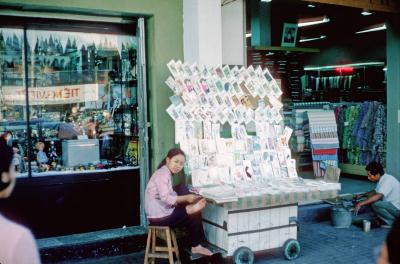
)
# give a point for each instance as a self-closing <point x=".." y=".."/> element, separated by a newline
<point x="82" y="99"/>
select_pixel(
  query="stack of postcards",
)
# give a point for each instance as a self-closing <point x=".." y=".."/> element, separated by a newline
<point x="228" y="121"/>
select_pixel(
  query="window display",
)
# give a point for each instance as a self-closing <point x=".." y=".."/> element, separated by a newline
<point x="81" y="92"/>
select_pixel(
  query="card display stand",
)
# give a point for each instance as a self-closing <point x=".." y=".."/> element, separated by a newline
<point x="229" y="123"/>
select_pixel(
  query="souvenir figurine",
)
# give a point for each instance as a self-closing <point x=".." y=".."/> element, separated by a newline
<point x="41" y="156"/>
<point x="16" y="160"/>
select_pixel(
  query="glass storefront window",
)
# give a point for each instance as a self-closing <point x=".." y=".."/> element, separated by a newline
<point x="82" y="99"/>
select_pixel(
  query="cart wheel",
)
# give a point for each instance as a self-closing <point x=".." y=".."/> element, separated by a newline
<point x="243" y="255"/>
<point x="291" y="249"/>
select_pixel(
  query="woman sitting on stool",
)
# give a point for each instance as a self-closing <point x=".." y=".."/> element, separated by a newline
<point x="165" y="206"/>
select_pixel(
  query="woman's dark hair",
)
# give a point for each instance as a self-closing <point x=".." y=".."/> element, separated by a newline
<point x="375" y="168"/>
<point x="6" y="154"/>
<point x="392" y="242"/>
<point x="171" y="153"/>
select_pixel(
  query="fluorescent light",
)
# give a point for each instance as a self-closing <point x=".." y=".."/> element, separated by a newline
<point x="376" y="28"/>
<point x="311" y="39"/>
<point x="374" y="63"/>
<point x="366" y="13"/>
<point x="248" y="35"/>
<point x="267" y="1"/>
<point x="310" y="5"/>
<point x="313" y="22"/>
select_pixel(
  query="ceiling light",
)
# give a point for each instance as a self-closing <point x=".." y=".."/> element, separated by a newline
<point x="361" y="64"/>
<point x="248" y="35"/>
<point x="310" y="5"/>
<point x="311" y="39"/>
<point x="366" y="12"/>
<point x="312" y="21"/>
<point x="266" y="1"/>
<point x="373" y="28"/>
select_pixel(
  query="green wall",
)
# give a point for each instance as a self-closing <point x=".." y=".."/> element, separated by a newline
<point x="164" y="41"/>
<point x="393" y="98"/>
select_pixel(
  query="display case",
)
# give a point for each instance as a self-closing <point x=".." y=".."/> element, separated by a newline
<point x="81" y="86"/>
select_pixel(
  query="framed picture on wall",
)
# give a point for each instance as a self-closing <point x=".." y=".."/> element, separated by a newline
<point x="289" y="35"/>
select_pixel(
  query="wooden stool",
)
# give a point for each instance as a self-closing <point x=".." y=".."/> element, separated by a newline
<point x="172" y="246"/>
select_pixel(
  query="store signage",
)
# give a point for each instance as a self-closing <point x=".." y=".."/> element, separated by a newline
<point x="65" y="94"/>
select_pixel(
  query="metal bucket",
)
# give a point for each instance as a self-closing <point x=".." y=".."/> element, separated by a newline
<point x="341" y="217"/>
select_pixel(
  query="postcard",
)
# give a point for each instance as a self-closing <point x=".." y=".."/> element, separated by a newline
<point x="235" y="101"/>
<point x="219" y="100"/>
<point x="275" y="88"/>
<point x="176" y="100"/>
<point x="205" y="73"/>
<point x="227" y="100"/>
<point x="227" y="86"/>
<point x="221" y="145"/>
<point x="221" y="117"/>
<point x="238" y="173"/>
<point x="230" y="145"/>
<point x="188" y="85"/>
<point x="267" y="89"/>
<point x="195" y="69"/>
<point x="251" y="72"/>
<point x="260" y="129"/>
<point x="203" y="100"/>
<point x="260" y="91"/>
<point x="186" y="70"/>
<point x="237" y="89"/>
<point x="275" y="103"/>
<point x="211" y="86"/>
<point x="243" y="87"/>
<point x="212" y="102"/>
<point x="230" y="116"/>
<point x="268" y="75"/>
<point x="179" y="68"/>
<point x="216" y="131"/>
<point x="219" y="72"/>
<point x="202" y="83"/>
<point x="239" y="112"/>
<point x="266" y="171"/>
<point x="288" y="133"/>
<point x="241" y="146"/>
<point x="184" y="113"/>
<point x="183" y="144"/>
<point x="188" y="132"/>
<point x="170" y="82"/>
<point x="291" y="166"/>
<point x="250" y="87"/>
<point x="219" y="85"/>
<point x="201" y="114"/>
<point x="207" y="130"/>
<point x="172" y="68"/>
<point x="198" y="129"/>
<point x="193" y="147"/>
<point x="276" y="168"/>
<point x="173" y="113"/>
<point x="235" y="72"/>
<point x="259" y="72"/>
<point x="227" y="71"/>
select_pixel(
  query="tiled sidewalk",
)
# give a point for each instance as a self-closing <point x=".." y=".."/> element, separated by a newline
<point x="320" y="242"/>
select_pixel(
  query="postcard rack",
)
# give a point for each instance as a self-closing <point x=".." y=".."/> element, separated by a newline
<point x="229" y="123"/>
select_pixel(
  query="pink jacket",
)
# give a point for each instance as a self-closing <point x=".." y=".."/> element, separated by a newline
<point x="160" y="198"/>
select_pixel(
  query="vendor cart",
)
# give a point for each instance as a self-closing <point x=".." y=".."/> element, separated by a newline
<point x="259" y="223"/>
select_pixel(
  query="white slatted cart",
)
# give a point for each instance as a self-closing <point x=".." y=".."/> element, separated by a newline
<point x="258" y="223"/>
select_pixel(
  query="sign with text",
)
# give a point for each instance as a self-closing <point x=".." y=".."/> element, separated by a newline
<point x="65" y="94"/>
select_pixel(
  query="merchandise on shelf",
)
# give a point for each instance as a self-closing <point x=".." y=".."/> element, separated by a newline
<point x="362" y="132"/>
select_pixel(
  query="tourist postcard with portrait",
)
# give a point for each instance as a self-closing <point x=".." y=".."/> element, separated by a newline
<point x="289" y="35"/>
